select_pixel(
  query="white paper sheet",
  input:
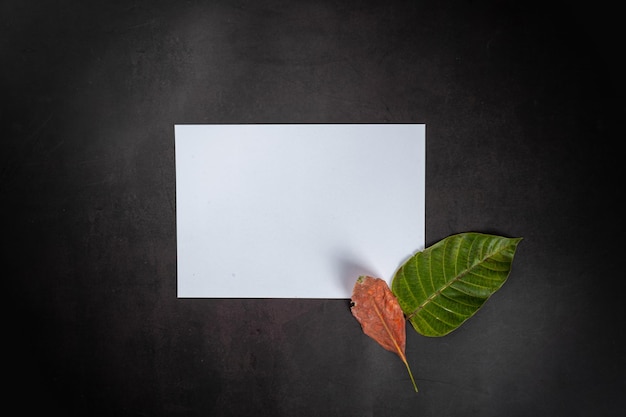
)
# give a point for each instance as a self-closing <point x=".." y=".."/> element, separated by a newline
<point x="295" y="210"/>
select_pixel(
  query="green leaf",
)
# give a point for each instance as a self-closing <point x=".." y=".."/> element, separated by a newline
<point x="442" y="286"/>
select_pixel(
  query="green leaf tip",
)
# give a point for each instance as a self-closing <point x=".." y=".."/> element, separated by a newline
<point x="442" y="286"/>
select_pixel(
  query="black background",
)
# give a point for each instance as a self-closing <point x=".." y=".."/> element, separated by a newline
<point x="524" y="107"/>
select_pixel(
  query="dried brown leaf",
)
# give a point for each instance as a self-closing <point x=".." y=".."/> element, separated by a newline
<point x="380" y="315"/>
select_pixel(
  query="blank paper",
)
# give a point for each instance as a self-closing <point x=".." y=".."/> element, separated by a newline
<point x="295" y="210"/>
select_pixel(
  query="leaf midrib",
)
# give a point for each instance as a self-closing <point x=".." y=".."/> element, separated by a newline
<point x="391" y="335"/>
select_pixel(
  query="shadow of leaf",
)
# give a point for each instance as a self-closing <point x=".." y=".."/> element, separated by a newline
<point x="350" y="268"/>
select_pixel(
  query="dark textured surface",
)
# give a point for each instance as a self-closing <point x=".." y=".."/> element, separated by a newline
<point x="524" y="106"/>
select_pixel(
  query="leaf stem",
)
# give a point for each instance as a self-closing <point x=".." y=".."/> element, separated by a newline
<point x="410" y="374"/>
